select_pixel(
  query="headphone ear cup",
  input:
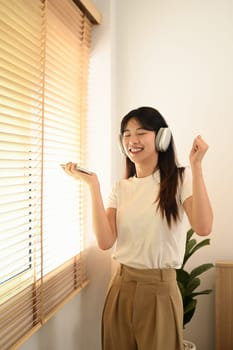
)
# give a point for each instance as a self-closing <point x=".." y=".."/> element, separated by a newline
<point x="121" y="145"/>
<point x="163" y="139"/>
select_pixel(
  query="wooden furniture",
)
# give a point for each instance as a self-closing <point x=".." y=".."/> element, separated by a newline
<point x="224" y="305"/>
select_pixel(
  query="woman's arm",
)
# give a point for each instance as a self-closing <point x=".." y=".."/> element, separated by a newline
<point x="198" y="207"/>
<point x="104" y="221"/>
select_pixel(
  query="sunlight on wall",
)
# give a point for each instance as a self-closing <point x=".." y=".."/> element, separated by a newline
<point x="100" y="121"/>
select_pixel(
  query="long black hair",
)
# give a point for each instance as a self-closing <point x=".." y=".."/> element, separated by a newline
<point x="170" y="173"/>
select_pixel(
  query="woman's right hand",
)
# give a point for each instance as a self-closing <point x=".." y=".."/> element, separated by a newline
<point x="71" y="169"/>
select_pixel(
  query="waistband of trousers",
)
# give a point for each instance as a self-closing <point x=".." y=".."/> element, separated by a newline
<point x="146" y="275"/>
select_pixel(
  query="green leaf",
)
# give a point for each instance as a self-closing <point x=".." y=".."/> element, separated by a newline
<point x="189" y="253"/>
<point x="188" y="316"/>
<point x="190" y="244"/>
<point x="189" y="234"/>
<point x="181" y="288"/>
<point x="200" y="269"/>
<point x="189" y="310"/>
<point x="192" y="284"/>
<point x="182" y="276"/>
<point x="206" y="291"/>
<point x="201" y="244"/>
<point x="190" y="306"/>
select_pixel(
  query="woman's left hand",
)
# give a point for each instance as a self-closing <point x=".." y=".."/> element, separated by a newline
<point x="198" y="151"/>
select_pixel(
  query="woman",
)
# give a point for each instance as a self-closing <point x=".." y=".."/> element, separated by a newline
<point x="143" y="309"/>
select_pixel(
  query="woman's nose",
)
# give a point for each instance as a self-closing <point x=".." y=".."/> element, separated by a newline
<point x="134" y="139"/>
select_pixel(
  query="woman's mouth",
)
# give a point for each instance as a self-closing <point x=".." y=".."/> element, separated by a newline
<point x="135" y="150"/>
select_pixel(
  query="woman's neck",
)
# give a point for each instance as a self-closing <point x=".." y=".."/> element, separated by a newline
<point x="143" y="171"/>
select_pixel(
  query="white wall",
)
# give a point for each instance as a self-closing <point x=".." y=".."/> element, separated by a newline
<point x="177" y="56"/>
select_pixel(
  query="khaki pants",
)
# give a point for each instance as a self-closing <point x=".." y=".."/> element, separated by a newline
<point x="143" y="311"/>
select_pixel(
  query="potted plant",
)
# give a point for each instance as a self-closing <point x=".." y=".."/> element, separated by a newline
<point x="188" y="282"/>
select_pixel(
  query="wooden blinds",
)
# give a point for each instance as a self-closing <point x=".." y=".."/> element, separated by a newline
<point x="45" y="46"/>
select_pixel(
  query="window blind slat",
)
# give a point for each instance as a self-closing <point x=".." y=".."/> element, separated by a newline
<point x="15" y="58"/>
<point x="16" y="148"/>
<point x="16" y="310"/>
<point x="7" y="101"/>
<point x="21" y="16"/>
<point x="9" y="31"/>
<point x="25" y="53"/>
<point x="20" y="96"/>
<point x="14" y="78"/>
<point x="13" y="67"/>
<point x="11" y="88"/>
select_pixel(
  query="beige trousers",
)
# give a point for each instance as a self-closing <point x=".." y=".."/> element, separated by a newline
<point x="143" y="311"/>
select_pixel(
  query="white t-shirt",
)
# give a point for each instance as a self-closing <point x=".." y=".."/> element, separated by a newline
<point x="144" y="239"/>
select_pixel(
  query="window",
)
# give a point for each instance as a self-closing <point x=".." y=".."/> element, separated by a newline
<point x="45" y="48"/>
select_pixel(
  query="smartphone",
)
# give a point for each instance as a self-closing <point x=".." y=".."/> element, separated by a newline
<point x="79" y="168"/>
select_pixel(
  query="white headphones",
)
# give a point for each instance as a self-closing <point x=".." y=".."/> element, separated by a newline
<point x="162" y="140"/>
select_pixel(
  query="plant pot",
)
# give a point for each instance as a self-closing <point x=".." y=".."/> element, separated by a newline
<point x="188" y="345"/>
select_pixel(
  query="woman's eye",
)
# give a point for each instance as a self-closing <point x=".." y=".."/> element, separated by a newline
<point x="138" y="134"/>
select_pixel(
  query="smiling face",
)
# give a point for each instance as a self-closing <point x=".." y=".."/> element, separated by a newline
<point x="139" y="144"/>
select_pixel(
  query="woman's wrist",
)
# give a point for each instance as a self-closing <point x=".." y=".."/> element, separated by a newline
<point x="94" y="183"/>
<point x="196" y="168"/>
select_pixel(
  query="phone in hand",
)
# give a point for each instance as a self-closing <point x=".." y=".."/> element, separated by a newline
<point x="79" y="168"/>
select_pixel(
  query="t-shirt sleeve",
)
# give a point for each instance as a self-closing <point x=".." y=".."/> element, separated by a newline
<point x="186" y="188"/>
<point x="112" y="198"/>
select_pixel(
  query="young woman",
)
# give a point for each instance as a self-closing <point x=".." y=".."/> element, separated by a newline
<point x="143" y="309"/>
